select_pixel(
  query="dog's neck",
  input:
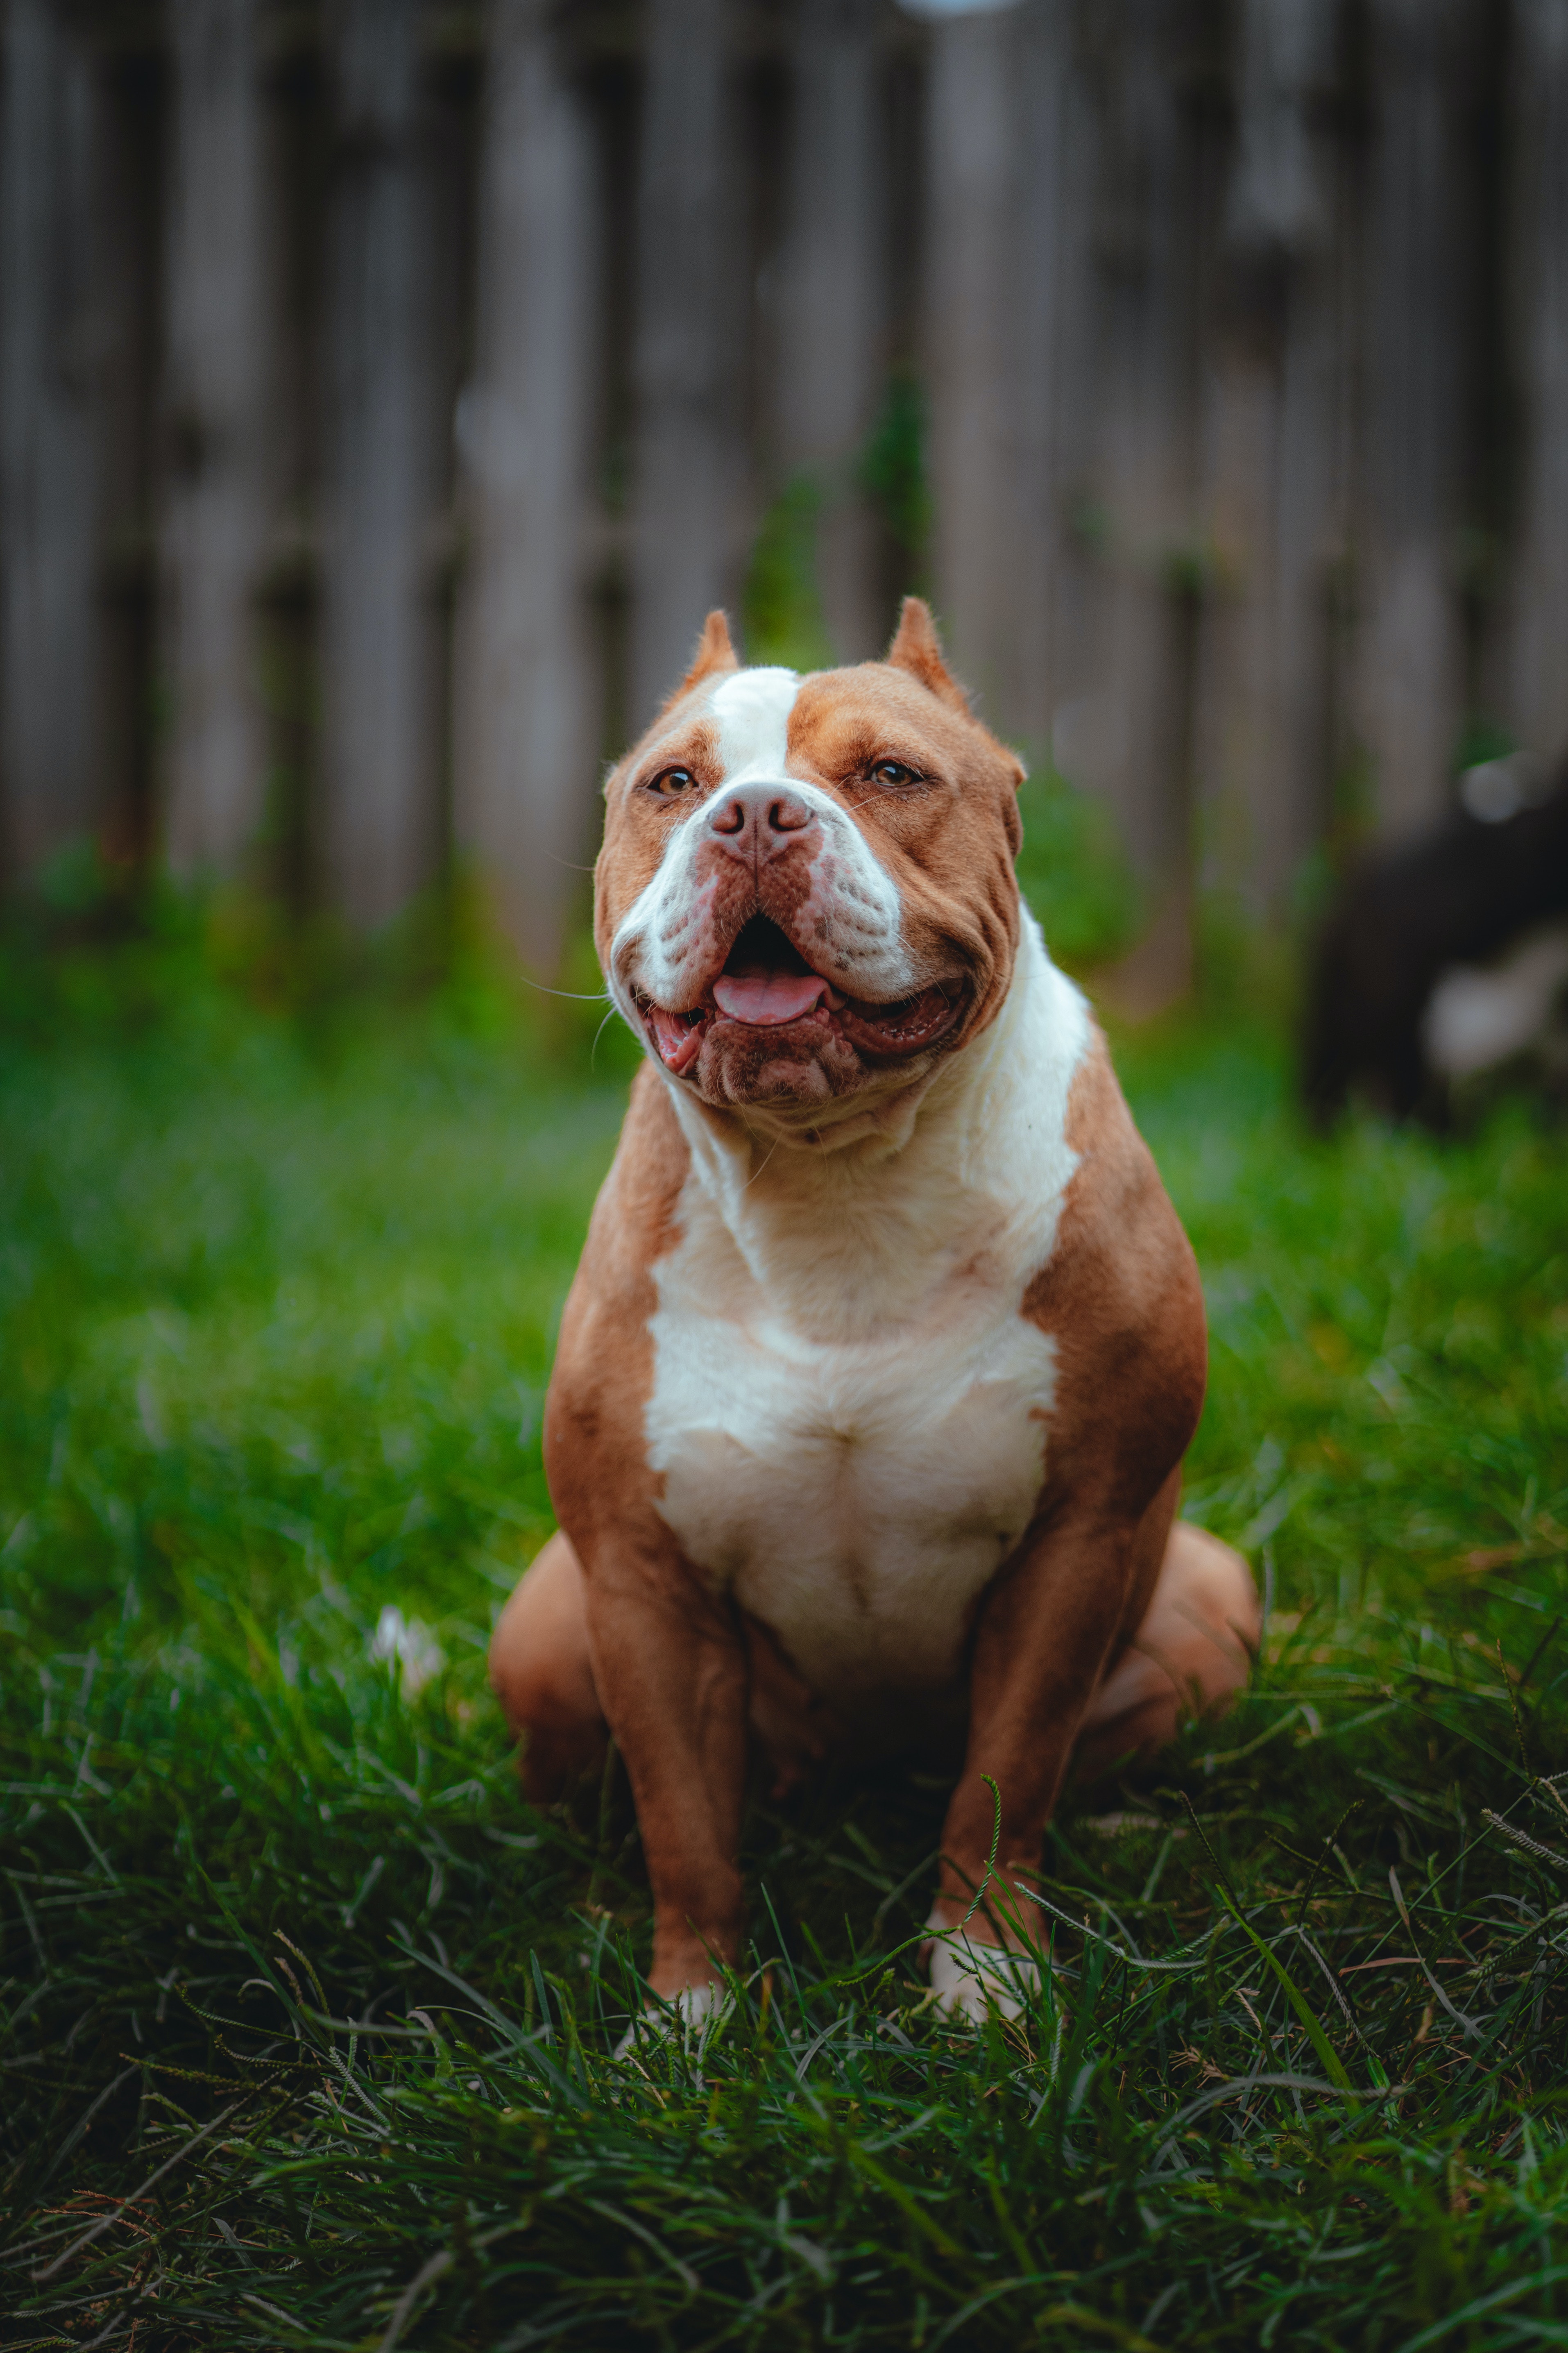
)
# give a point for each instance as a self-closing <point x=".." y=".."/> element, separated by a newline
<point x="864" y="1228"/>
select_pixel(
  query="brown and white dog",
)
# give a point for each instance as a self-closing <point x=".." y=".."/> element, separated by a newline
<point x="866" y="1425"/>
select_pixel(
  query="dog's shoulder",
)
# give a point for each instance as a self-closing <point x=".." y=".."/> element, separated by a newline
<point x="604" y="1360"/>
<point x="604" y="1323"/>
<point x="1120" y="1292"/>
<point x="634" y="1219"/>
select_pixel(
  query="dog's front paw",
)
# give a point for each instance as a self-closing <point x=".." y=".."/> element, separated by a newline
<point x="684" y="2019"/>
<point x="973" y="1980"/>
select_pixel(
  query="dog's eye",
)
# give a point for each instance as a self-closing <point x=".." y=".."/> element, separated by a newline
<point x="892" y="772"/>
<point x="671" y="782"/>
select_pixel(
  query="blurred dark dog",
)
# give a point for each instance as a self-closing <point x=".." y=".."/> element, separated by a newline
<point x="1447" y="957"/>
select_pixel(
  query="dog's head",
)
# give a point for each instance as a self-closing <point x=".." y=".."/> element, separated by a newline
<point x="806" y="890"/>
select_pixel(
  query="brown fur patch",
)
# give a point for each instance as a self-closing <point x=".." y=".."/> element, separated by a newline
<point x="1120" y="1296"/>
<point x="948" y="840"/>
<point x="668" y="1656"/>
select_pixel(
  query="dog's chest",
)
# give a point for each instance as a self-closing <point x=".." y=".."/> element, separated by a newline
<point x="855" y="1493"/>
<point x="850" y="1410"/>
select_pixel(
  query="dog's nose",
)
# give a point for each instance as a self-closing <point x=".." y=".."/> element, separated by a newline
<point x="754" y="819"/>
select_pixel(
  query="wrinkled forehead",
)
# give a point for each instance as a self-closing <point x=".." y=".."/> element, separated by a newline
<point x="770" y="722"/>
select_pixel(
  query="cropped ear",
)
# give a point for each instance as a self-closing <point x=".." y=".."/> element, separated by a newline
<point x="714" y="652"/>
<point x="1014" y="821"/>
<point x="917" y="649"/>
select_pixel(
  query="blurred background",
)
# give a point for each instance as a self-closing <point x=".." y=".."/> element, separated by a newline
<point x="388" y="387"/>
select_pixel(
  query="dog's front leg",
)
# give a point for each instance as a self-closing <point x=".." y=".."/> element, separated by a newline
<point x="1042" y="1644"/>
<point x="669" y="1661"/>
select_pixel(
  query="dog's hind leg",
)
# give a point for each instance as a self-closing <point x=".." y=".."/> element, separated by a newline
<point x="543" y="1674"/>
<point x="1191" y="1655"/>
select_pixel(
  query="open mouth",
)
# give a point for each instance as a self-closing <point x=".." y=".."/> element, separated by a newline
<point x="767" y="984"/>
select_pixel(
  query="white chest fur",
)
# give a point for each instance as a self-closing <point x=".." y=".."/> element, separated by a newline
<point x="849" y="1410"/>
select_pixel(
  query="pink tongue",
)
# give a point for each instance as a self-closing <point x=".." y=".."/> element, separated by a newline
<point x="767" y="998"/>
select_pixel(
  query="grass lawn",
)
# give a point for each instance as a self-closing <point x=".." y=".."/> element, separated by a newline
<point x="308" y="2022"/>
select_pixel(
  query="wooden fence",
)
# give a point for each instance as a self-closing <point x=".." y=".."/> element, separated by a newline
<point x="388" y="387"/>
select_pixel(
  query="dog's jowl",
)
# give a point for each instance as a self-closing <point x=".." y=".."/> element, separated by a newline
<point x="873" y="1388"/>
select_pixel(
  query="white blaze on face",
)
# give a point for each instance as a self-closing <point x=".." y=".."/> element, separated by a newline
<point x="752" y="708"/>
<point x="849" y="925"/>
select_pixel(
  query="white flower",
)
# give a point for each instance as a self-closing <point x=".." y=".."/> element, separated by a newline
<point x="417" y="1652"/>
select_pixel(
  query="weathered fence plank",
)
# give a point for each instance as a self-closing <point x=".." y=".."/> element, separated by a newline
<point x="1409" y="658"/>
<point x="49" y="441"/>
<point x="381" y="813"/>
<point x="215" y="509"/>
<point x="1065" y="217"/>
<point x="525" y="740"/>
<point x="1538" y="242"/>
<point x="688" y="469"/>
<point x="974" y="183"/>
<point x="1137" y="741"/>
<point x="1273" y="466"/>
<point x="831" y="353"/>
<point x="1046" y="221"/>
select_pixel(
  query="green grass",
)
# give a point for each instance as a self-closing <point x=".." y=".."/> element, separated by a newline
<point x="309" y="2023"/>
